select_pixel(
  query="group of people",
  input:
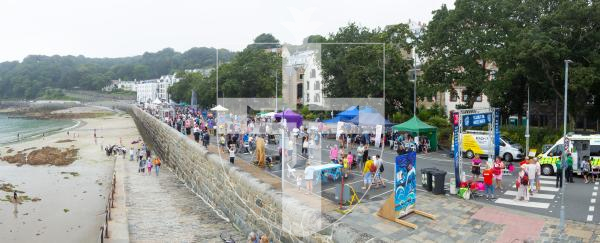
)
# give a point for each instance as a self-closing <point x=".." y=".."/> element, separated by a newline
<point x="492" y="174"/>
<point x="145" y="160"/>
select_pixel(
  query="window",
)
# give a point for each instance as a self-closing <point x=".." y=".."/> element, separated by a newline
<point x="307" y="98"/>
<point x="453" y="97"/>
<point x="595" y="150"/>
<point x="479" y="98"/>
<point x="317" y="98"/>
<point x="317" y="85"/>
<point x="465" y="97"/>
<point x="302" y="76"/>
<point x="307" y="85"/>
<point x="313" y="73"/>
<point x="555" y="151"/>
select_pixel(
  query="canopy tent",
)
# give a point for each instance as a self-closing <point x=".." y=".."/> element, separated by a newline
<point x="267" y="114"/>
<point x="332" y="120"/>
<point x="370" y="117"/>
<point x="293" y="119"/>
<point x="348" y="114"/>
<point x="157" y="101"/>
<point x="419" y="128"/>
<point x="219" y="108"/>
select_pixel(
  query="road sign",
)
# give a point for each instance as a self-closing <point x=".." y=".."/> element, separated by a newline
<point x="566" y="143"/>
<point x="480" y="119"/>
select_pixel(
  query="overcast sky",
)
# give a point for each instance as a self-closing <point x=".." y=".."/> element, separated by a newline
<point x="116" y="28"/>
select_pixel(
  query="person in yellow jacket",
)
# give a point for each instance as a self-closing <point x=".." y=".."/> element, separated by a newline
<point x="368" y="172"/>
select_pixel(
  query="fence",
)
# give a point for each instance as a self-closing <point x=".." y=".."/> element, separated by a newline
<point x="109" y="206"/>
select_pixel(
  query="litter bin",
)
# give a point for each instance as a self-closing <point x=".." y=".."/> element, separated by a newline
<point x="437" y="181"/>
<point x="426" y="178"/>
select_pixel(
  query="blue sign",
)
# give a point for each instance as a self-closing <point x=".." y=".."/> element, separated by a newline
<point x="405" y="183"/>
<point x="475" y="120"/>
<point x="497" y="132"/>
<point x="456" y="155"/>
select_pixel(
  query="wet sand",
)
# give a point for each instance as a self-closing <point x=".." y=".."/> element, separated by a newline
<point x="73" y="197"/>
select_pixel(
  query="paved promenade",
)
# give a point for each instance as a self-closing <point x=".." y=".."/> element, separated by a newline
<point x="163" y="209"/>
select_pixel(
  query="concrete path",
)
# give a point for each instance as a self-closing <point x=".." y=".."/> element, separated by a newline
<point x="162" y="209"/>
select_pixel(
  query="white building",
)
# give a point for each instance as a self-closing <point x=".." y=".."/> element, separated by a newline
<point x="119" y="84"/>
<point x="149" y="90"/>
<point x="302" y="79"/>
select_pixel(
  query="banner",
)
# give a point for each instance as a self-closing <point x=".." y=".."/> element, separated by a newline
<point x="378" y="131"/>
<point x="480" y="119"/>
<point x="497" y="132"/>
<point x="340" y="126"/>
<point x="456" y="148"/>
<point x="405" y="184"/>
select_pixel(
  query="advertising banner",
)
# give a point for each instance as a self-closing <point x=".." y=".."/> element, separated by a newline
<point x="378" y="131"/>
<point x="477" y="119"/>
<point x="456" y="148"/>
<point x="497" y="132"/>
<point x="405" y="183"/>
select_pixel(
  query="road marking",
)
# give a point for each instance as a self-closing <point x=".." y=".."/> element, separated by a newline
<point x="547" y="182"/>
<point x="544" y="188"/>
<point x="536" y="195"/>
<point x="594" y="194"/>
<point x="590" y="218"/>
<point x="596" y="183"/>
<point x="593" y="200"/>
<point x="595" y="188"/>
<point x="591" y="209"/>
<point x="383" y="193"/>
<point x="522" y="203"/>
<point x="547" y="177"/>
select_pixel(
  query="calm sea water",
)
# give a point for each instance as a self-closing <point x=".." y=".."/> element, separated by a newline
<point x="28" y="128"/>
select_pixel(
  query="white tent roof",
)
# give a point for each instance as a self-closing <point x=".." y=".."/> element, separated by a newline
<point x="219" y="108"/>
<point x="157" y="101"/>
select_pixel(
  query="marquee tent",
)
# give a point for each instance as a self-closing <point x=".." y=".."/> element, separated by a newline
<point x="419" y="128"/>
<point x="292" y="118"/>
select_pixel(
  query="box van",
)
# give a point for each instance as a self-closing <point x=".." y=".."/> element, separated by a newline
<point x="580" y="146"/>
<point x="477" y="142"/>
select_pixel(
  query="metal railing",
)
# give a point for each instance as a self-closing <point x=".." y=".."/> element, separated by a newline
<point x="107" y="212"/>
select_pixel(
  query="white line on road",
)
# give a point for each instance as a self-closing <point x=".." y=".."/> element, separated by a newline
<point x="536" y="195"/>
<point x="595" y="188"/>
<point x="591" y="209"/>
<point x="548" y="177"/>
<point x="522" y="203"/>
<point x="594" y="194"/>
<point x="544" y="188"/>
<point x="593" y="200"/>
<point x="547" y="182"/>
<point x="596" y="183"/>
<point x="383" y="193"/>
<point x="590" y="218"/>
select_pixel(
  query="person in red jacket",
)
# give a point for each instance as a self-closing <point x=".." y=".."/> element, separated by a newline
<point x="488" y="181"/>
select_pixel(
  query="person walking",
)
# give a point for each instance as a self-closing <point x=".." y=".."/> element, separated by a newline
<point x="333" y="154"/>
<point x="476" y="167"/>
<point x="131" y="154"/>
<point x="559" y="174"/>
<point x="305" y="146"/>
<point x="368" y="172"/>
<point x="142" y="165"/>
<point x="585" y="168"/>
<point x="309" y="173"/>
<point x="196" y="134"/>
<point x="538" y="174"/>
<point x="156" y="163"/>
<point x="379" y="165"/>
<point x="522" y="184"/>
<point x="149" y="165"/>
<point x="488" y="181"/>
<point x="531" y="172"/>
<point x="360" y="150"/>
<point x="231" y="153"/>
<point x="569" y="172"/>
<point x="497" y="169"/>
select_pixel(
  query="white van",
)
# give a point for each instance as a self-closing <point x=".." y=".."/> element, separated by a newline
<point x="580" y="146"/>
<point x="477" y="142"/>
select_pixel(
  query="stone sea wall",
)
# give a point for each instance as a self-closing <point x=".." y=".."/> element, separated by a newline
<point x="250" y="204"/>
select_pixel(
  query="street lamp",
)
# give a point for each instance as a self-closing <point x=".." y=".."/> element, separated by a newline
<point x="564" y="154"/>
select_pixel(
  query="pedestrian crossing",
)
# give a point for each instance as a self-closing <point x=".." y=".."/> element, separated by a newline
<point x="540" y="200"/>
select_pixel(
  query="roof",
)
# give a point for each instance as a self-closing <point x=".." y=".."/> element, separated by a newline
<point x="414" y="125"/>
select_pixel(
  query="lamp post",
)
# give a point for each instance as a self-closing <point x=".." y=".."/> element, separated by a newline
<point x="527" y="127"/>
<point x="276" y="96"/>
<point x="564" y="154"/>
<point x="415" y="81"/>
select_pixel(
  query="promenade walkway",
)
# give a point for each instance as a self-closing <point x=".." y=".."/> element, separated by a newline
<point x="163" y="209"/>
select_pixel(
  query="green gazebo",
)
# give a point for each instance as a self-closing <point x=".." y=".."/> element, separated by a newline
<point x="419" y="128"/>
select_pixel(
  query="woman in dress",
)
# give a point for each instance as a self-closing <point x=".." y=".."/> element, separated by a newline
<point x="497" y="169"/>
<point x="476" y="167"/>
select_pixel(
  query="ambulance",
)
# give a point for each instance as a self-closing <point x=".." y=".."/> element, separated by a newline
<point x="477" y="142"/>
<point x="580" y="146"/>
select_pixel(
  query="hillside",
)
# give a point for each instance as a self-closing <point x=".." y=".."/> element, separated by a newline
<point x="29" y="78"/>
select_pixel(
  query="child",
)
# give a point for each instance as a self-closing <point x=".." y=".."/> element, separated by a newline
<point x="149" y="165"/>
<point x="488" y="181"/>
<point x="231" y="153"/>
<point x="299" y="181"/>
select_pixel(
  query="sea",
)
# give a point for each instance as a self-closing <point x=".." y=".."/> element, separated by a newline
<point x="13" y="128"/>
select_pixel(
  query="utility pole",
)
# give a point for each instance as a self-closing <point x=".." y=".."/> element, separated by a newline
<point x="217" y="76"/>
<point x="527" y="127"/>
<point x="415" y="80"/>
<point x="564" y="154"/>
<point x="276" y="81"/>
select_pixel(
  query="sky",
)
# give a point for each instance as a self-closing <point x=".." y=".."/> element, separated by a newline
<point x="118" y="28"/>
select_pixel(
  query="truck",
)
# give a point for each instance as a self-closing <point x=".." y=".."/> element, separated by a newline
<point x="477" y="142"/>
<point x="579" y="145"/>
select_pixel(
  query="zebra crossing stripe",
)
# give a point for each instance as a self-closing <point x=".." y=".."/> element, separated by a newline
<point x="547" y="177"/>
<point x="545" y="182"/>
<point x="535" y="195"/>
<point x="590" y="218"/>
<point x="544" y="188"/>
<point x="523" y="203"/>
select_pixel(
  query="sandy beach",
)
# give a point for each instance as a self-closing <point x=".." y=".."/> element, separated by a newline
<point x="69" y="199"/>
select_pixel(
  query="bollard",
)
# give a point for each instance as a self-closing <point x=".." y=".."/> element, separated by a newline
<point x="102" y="234"/>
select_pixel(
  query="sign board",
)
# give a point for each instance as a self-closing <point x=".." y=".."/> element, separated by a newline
<point x="532" y="152"/>
<point x="497" y="132"/>
<point x="566" y="144"/>
<point x="456" y="149"/>
<point x="475" y="120"/>
<point x="405" y="184"/>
